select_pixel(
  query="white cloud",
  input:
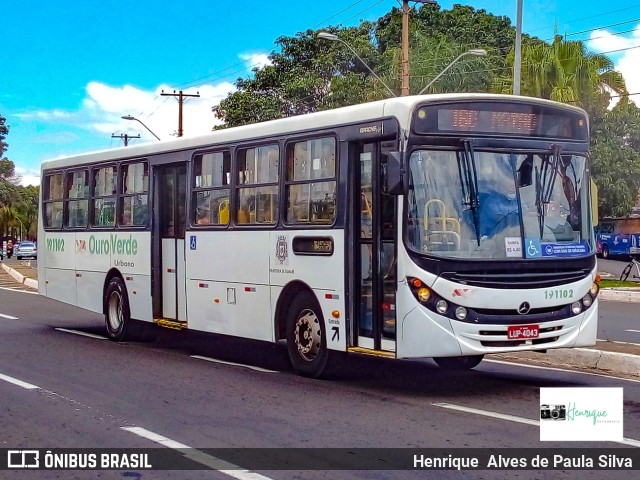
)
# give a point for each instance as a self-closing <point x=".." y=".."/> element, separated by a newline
<point x="625" y="51"/>
<point x="28" y="176"/>
<point x="106" y="105"/>
<point x="255" y="60"/>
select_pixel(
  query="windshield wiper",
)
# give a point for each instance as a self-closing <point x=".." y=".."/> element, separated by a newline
<point x="469" y="183"/>
<point x="545" y="182"/>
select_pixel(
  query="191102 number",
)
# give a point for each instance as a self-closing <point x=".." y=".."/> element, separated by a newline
<point x="558" y="293"/>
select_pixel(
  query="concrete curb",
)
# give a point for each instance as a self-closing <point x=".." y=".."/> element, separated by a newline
<point x="620" y="294"/>
<point x="598" y="360"/>
<point x="18" y="277"/>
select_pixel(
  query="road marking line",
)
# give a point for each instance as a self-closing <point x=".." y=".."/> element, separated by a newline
<point x="20" y="383"/>
<point x="512" y="418"/>
<point x="619" y="342"/>
<point x="634" y="331"/>
<point x="486" y="413"/>
<point x="198" y="456"/>
<point x="84" y="334"/>
<point x="19" y="290"/>
<point x="8" y="317"/>
<point x="564" y="370"/>
<point x="234" y="364"/>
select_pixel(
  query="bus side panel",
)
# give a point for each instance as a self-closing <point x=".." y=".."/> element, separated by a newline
<point x="319" y="263"/>
<point x="58" y="282"/>
<point x="58" y="260"/>
<point x="227" y="283"/>
<point x="89" y="290"/>
<point x="139" y="291"/>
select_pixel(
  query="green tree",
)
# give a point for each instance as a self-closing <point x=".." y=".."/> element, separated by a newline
<point x="615" y="158"/>
<point x="299" y="79"/>
<point x="10" y="191"/>
<point x="565" y="71"/>
<point x="438" y="36"/>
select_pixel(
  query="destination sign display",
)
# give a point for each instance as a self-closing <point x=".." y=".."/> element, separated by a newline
<point x="500" y="118"/>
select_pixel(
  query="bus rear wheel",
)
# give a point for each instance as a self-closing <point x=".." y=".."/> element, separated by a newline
<point x="306" y="340"/>
<point x="116" y="315"/>
<point x="459" y="363"/>
<point x="120" y="325"/>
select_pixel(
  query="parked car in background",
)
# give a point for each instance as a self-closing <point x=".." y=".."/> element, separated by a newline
<point x="1" y="254"/>
<point x="26" y="249"/>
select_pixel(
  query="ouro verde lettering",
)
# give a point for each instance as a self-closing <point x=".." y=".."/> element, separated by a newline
<point x="55" y="244"/>
<point x="113" y="245"/>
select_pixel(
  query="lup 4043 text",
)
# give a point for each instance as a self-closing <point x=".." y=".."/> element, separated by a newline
<point x="556" y="461"/>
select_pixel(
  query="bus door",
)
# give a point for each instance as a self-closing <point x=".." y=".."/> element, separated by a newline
<point x="375" y="250"/>
<point x="168" y="256"/>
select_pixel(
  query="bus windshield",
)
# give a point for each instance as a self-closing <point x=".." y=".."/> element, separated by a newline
<point x="489" y="204"/>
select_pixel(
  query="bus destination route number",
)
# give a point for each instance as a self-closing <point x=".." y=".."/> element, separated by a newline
<point x="523" y="332"/>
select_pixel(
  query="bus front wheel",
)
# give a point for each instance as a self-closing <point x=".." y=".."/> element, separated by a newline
<point x="306" y="341"/>
<point x="459" y="363"/>
<point x="605" y="251"/>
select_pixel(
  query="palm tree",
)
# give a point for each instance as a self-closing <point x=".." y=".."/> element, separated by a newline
<point x="566" y="72"/>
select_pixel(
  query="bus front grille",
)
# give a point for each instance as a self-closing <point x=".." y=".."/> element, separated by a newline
<point x="513" y="280"/>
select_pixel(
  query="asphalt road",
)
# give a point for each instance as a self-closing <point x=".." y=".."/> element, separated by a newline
<point x="614" y="267"/>
<point x="90" y="392"/>
<point x="619" y="321"/>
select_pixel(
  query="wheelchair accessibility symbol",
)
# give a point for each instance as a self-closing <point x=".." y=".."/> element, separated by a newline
<point x="533" y="248"/>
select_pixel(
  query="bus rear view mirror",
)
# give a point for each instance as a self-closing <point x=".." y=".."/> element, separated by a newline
<point x="393" y="179"/>
<point x="594" y="203"/>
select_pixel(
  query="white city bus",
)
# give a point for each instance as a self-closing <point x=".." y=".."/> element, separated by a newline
<point x="444" y="226"/>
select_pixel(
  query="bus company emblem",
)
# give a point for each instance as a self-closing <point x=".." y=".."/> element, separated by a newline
<point x="459" y="292"/>
<point x="81" y="245"/>
<point x="524" y="308"/>
<point x="282" y="252"/>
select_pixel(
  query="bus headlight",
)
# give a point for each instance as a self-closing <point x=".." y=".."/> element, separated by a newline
<point x="595" y="288"/>
<point x="461" y="313"/>
<point x="576" y="308"/>
<point x="587" y="300"/>
<point x="423" y="294"/>
<point x="441" y="306"/>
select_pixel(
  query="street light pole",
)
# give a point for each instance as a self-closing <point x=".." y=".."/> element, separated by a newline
<point x="21" y="228"/>
<point x="129" y="117"/>
<point x="404" y="63"/>
<point x="478" y="52"/>
<point x="334" y="38"/>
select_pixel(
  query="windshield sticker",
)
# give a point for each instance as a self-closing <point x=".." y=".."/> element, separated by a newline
<point x="513" y="247"/>
<point x="536" y="249"/>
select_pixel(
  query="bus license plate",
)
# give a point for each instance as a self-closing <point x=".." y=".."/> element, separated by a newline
<point x="516" y="332"/>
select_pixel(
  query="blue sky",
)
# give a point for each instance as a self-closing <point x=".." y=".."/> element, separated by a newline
<point x="71" y="69"/>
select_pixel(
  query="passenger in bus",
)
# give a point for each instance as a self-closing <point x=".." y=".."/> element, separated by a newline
<point x="203" y="214"/>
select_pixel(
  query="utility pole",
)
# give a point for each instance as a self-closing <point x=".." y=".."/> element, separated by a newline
<point x="125" y="137"/>
<point x="517" y="60"/>
<point x="180" y="97"/>
<point x="404" y="63"/>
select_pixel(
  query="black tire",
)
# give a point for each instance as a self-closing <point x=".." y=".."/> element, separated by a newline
<point x="605" y="251"/>
<point x="120" y="326"/>
<point x="625" y="273"/>
<point x="306" y="339"/>
<point x="459" y="363"/>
